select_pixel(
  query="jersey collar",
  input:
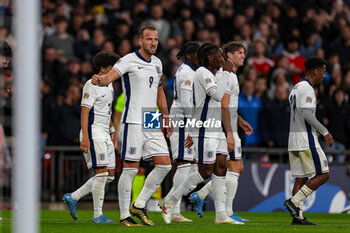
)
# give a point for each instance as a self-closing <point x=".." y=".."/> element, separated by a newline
<point x="140" y="56"/>
<point x="189" y="64"/>
<point x="304" y="79"/>
<point x="207" y="68"/>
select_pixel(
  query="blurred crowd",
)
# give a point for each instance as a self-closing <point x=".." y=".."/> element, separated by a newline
<point x="278" y="34"/>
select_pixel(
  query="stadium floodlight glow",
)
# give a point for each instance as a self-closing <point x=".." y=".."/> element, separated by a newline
<point x="26" y="123"/>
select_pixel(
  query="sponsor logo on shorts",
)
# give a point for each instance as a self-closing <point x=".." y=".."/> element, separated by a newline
<point x="132" y="150"/>
<point x="210" y="154"/>
<point x="102" y="156"/>
<point x="189" y="151"/>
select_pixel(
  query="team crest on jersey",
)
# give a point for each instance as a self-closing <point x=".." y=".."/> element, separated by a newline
<point x="207" y="80"/>
<point x="102" y="156"/>
<point x="210" y="154"/>
<point x="132" y="150"/>
<point x="308" y="99"/>
<point x="158" y="70"/>
<point x="188" y="83"/>
<point x="86" y="95"/>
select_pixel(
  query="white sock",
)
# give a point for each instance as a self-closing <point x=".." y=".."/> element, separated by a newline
<point x="83" y="190"/>
<point x="180" y="176"/>
<point x="110" y="179"/>
<point x="231" y="190"/>
<point x="301" y="205"/>
<point x="194" y="168"/>
<point x="98" y="192"/>
<point x="191" y="183"/>
<point x="204" y="191"/>
<point x="124" y="191"/>
<point x="152" y="182"/>
<point x="303" y="193"/>
<point x="218" y="190"/>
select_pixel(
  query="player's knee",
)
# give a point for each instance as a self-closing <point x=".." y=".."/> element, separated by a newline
<point x="205" y="171"/>
<point x="164" y="168"/>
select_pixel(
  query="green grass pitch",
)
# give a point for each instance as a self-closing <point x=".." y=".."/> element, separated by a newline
<point x="60" y="221"/>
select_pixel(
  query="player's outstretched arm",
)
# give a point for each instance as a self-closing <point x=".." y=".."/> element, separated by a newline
<point x="104" y="80"/>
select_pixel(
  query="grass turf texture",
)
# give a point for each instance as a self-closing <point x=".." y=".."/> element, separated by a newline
<point x="60" y="221"/>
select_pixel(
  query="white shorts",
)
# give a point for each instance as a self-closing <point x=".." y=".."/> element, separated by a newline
<point x="208" y="148"/>
<point x="308" y="163"/>
<point x="137" y="143"/>
<point x="178" y="148"/>
<point x="101" y="154"/>
<point x="236" y="154"/>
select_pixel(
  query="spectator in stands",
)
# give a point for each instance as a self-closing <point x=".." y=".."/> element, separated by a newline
<point x="68" y="117"/>
<point x="5" y="54"/>
<point x="312" y="43"/>
<point x="84" y="47"/>
<point x="337" y="112"/>
<point x="123" y="47"/>
<point x="162" y="25"/>
<point x="98" y="38"/>
<point x="261" y="63"/>
<point x="341" y="46"/>
<point x="275" y="119"/>
<point x="189" y="29"/>
<point x="278" y="78"/>
<point x="61" y="40"/>
<point x="295" y="60"/>
<point x="48" y="106"/>
<point x="249" y="106"/>
<point x="47" y="25"/>
<point x="260" y="89"/>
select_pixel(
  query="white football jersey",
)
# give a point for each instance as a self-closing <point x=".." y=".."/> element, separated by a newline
<point x="206" y="108"/>
<point x="233" y="90"/>
<point x="141" y="79"/>
<point x="183" y="81"/>
<point x="301" y="135"/>
<point x="99" y="100"/>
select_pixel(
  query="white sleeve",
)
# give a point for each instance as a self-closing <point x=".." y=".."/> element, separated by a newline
<point x="310" y="117"/>
<point x="123" y="65"/>
<point x="89" y="97"/>
<point x="186" y="93"/>
<point x="229" y="86"/>
<point x="218" y="91"/>
<point x="307" y="99"/>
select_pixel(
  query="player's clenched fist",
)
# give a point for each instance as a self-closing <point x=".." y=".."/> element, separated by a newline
<point x="96" y="79"/>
